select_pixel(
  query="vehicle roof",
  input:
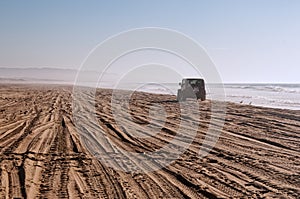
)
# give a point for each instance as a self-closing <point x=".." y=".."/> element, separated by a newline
<point x="193" y="79"/>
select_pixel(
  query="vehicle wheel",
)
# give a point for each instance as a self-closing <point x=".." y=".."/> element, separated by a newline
<point x="182" y="97"/>
<point x="178" y="95"/>
<point x="203" y="97"/>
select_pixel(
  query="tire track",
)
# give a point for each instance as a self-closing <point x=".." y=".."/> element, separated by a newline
<point x="43" y="155"/>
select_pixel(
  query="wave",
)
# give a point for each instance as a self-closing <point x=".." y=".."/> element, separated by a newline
<point x="267" y="95"/>
<point x="286" y="88"/>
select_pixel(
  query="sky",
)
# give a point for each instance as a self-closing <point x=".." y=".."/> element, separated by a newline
<point x="249" y="41"/>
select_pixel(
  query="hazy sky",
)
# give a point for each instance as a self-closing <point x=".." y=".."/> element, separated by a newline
<point x="249" y="41"/>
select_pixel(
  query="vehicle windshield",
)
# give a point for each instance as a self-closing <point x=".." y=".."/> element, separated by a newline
<point x="195" y="81"/>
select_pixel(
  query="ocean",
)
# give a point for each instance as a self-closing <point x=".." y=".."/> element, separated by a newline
<point x="286" y="96"/>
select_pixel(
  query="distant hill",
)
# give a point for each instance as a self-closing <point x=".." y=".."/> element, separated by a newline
<point x="49" y="74"/>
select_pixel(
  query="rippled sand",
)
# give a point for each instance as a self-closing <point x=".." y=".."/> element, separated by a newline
<point x="42" y="156"/>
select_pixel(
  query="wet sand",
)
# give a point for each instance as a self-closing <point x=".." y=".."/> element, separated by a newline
<point x="41" y="155"/>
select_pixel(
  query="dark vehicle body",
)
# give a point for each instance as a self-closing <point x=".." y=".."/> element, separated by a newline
<point x="191" y="88"/>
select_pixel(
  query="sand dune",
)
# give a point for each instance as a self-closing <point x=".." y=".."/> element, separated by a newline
<point x="42" y="156"/>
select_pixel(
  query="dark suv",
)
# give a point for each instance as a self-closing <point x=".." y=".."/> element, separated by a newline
<point x="191" y="88"/>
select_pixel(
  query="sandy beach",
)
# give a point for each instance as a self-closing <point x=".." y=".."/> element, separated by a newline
<point x="41" y="154"/>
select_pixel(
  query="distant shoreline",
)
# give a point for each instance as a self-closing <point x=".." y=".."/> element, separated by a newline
<point x="62" y="84"/>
